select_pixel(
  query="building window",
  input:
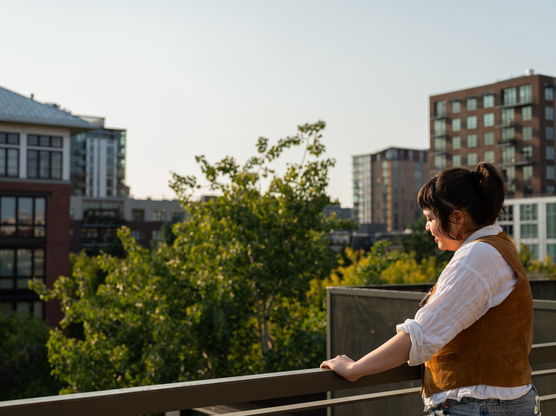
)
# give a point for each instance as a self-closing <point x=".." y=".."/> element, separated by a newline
<point x="456" y="142"/>
<point x="456" y="106"/>
<point x="508" y="115"/>
<point x="17" y="266"/>
<point x="471" y="103"/>
<point x="527" y="152"/>
<point x="472" y="159"/>
<point x="528" y="212"/>
<point x="508" y="134"/>
<point x="440" y="161"/>
<point x="527" y="133"/>
<point x="549" y="93"/>
<point x="488" y="119"/>
<point x="508" y="214"/>
<point x="440" y="108"/>
<point x="138" y="214"/>
<point x="44" y="164"/>
<point x="9" y="154"/>
<point x="489" y="156"/>
<point x="44" y="141"/>
<point x="488" y="100"/>
<point x="549" y="133"/>
<point x="159" y="214"/>
<point x="549" y="152"/>
<point x="156" y="235"/>
<point x="472" y="140"/>
<point x="22" y="217"/>
<point x="439" y="127"/>
<point x="489" y="138"/>
<point x="456" y="124"/>
<point x="529" y="231"/>
<point x="439" y="144"/>
<point x="471" y="122"/>
<point x="550" y="173"/>
<point x="509" y="96"/>
<point x="525" y="94"/>
<point x="549" y="113"/>
<point x="551" y="251"/>
<point x="508" y="154"/>
<point x="534" y="248"/>
<point x="527" y="113"/>
<point x="457" y="161"/>
<point x="527" y="172"/>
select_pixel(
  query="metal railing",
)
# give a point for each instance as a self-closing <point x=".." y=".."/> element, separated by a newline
<point x="137" y="401"/>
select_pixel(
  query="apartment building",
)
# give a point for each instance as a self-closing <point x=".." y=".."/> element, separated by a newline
<point x="509" y="123"/>
<point x="34" y="199"/>
<point x="385" y="187"/>
<point x="531" y="221"/>
<point x="98" y="159"/>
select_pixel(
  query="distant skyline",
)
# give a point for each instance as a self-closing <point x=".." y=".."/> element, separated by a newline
<point x="209" y="77"/>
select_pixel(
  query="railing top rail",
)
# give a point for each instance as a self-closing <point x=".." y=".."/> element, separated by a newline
<point x="193" y="394"/>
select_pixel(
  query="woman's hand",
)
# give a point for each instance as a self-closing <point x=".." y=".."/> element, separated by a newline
<point x="343" y="366"/>
<point x="392" y="353"/>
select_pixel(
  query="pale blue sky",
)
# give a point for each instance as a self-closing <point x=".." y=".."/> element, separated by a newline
<point x="209" y="77"/>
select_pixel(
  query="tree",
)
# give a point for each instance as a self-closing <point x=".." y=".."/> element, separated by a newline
<point x="24" y="369"/>
<point x="227" y="296"/>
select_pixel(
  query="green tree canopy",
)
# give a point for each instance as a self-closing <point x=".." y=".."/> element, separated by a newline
<point x="24" y="369"/>
<point x="225" y="297"/>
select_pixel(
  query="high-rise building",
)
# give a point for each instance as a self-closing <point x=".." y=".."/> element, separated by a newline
<point x="385" y="186"/>
<point x="509" y="123"/>
<point x="98" y="160"/>
<point x="34" y="199"/>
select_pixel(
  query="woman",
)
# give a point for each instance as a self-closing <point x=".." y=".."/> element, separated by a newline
<point x="474" y="333"/>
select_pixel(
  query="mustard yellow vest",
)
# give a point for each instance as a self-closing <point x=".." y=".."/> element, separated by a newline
<point x="494" y="350"/>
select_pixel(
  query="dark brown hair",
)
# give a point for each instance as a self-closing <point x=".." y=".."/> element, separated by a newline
<point x="479" y="192"/>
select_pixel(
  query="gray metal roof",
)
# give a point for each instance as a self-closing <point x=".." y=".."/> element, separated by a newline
<point x="15" y="108"/>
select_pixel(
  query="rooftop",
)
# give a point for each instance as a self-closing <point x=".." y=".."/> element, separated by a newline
<point x="16" y="108"/>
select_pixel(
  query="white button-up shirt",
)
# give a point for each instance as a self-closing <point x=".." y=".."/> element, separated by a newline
<point x="475" y="280"/>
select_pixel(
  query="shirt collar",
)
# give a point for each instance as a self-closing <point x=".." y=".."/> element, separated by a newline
<point x="493" y="229"/>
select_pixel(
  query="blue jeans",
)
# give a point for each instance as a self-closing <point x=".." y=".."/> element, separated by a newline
<point x="526" y="405"/>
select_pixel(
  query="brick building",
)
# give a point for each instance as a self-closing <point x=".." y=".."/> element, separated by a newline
<point x="509" y="123"/>
<point x="385" y="186"/>
<point x="34" y="199"/>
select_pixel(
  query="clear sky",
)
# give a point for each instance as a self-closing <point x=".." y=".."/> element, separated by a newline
<point x="209" y="77"/>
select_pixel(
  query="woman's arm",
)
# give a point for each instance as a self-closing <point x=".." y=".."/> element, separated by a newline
<point x="392" y="353"/>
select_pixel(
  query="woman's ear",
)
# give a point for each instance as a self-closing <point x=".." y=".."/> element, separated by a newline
<point x="457" y="217"/>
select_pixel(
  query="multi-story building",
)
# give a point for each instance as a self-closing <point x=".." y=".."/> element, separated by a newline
<point x="98" y="161"/>
<point x="509" y="123"/>
<point x="385" y="186"/>
<point x="34" y="199"/>
<point x="532" y="221"/>
<point x="95" y="221"/>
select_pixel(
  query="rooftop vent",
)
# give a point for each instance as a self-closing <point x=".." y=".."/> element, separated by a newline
<point x="529" y="71"/>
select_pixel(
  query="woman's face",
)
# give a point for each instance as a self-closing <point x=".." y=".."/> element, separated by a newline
<point x="442" y="240"/>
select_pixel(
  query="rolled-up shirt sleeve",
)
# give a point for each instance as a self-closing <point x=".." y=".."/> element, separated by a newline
<point x="462" y="296"/>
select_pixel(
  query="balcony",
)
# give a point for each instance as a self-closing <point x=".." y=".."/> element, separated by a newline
<point x="521" y="161"/>
<point x="248" y="389"/>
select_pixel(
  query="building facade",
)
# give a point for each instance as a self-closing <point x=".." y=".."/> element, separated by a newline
<point x="98" y="160"/>
<point x="34" y="199"/>
<point x="509" y="123"/>
<point x="385" y="186"/>
<point x="532" y="221"/>
<point x="95" y="221"/>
